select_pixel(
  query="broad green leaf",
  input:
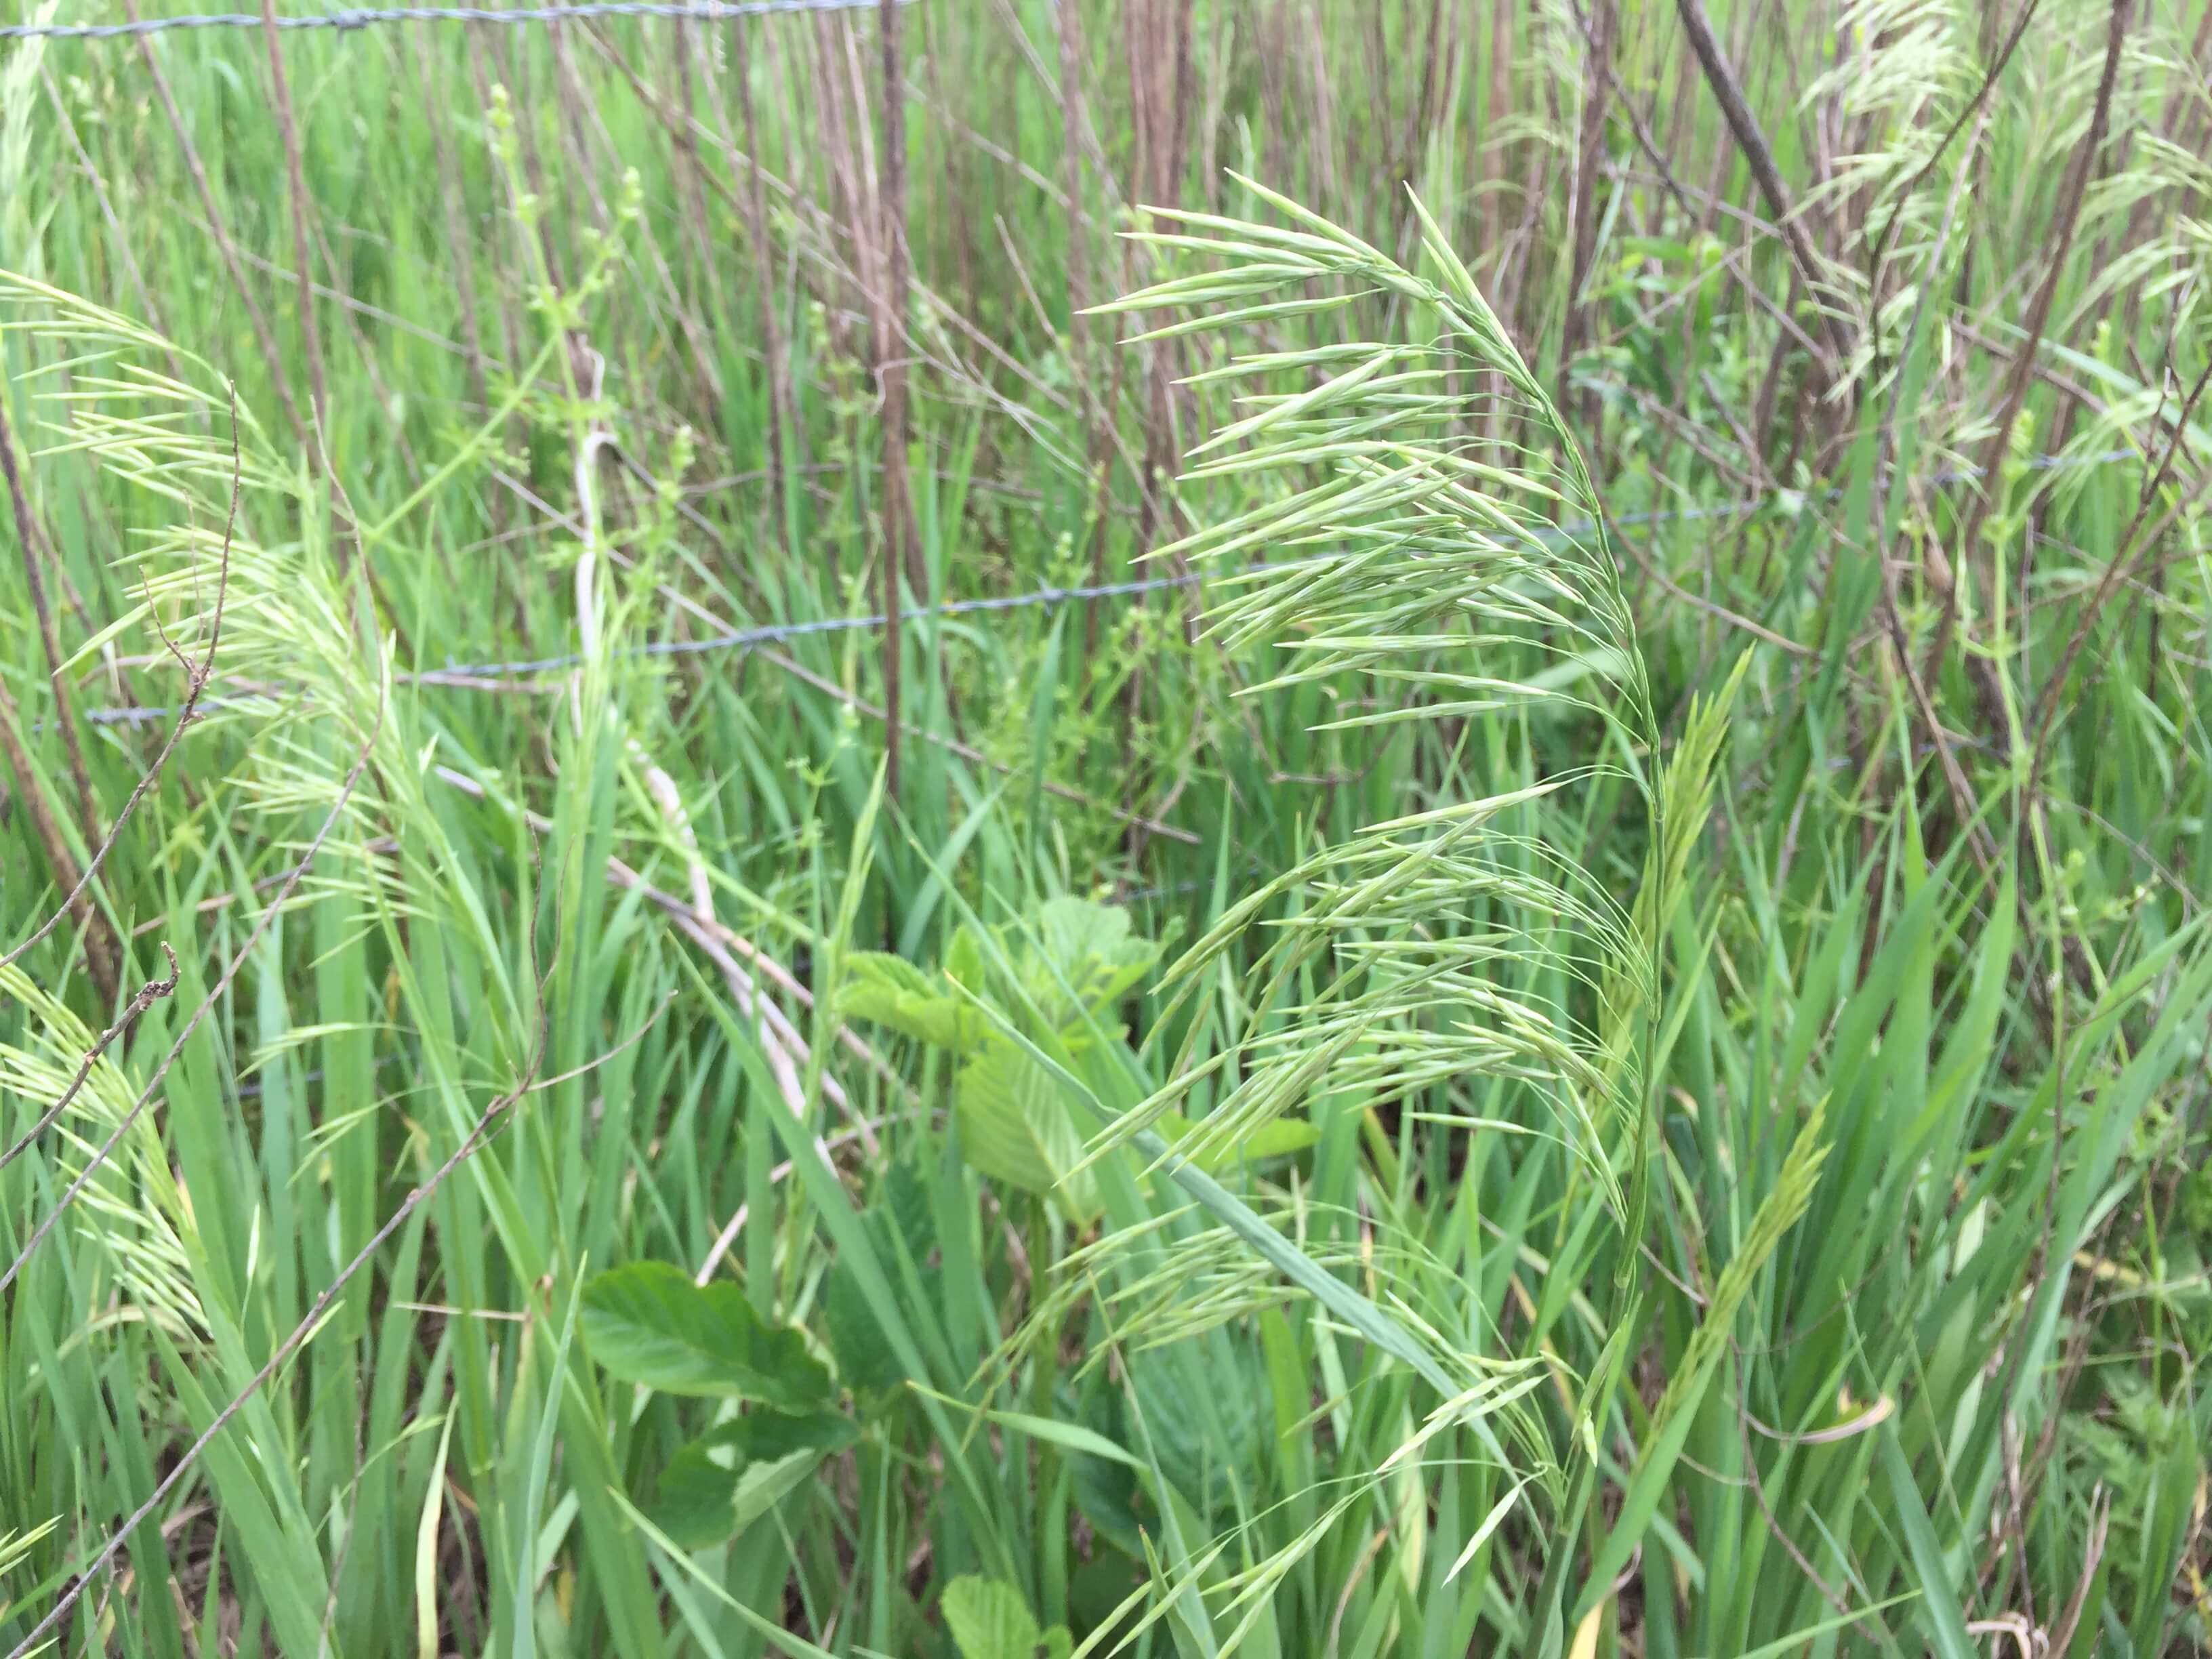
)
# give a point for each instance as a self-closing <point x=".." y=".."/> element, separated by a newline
<point x="647" y="1324"/>
<point x="964" y="958"/>
<point x="891" y="991"/>
<point x="764" y="1434"/>
<point x="721" y="1483"/>
<point x="990" y="1620"/>
<point x="1016" y="1125"/>
<point x="1277" y="1138"/>
<point x="696" y="1505"/>
<point x="1087" y="949"/>
<point x="898" y="1216"/>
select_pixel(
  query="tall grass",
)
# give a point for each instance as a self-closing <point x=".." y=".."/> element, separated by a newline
<point x="1604" y="1057"/>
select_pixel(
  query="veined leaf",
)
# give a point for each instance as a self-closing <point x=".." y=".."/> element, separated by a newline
<point x="647" y="1324"/>
<point x="891" y="991"/>
<point x="717" y="1485"/>
<point x="1016" y="1125"/>
<point x="990" y="1620"/>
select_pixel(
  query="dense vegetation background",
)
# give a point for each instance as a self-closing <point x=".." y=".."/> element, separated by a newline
<point x="646" y="1125"/>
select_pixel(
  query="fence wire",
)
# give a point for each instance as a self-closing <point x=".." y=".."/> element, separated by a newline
<point x="464" y="676"/>
<point x="771" y="634"/>
<point x="704" y="11"/>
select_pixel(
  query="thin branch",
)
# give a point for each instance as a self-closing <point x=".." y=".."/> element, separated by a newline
<point x="728" y="1235"/>
<point x="52" y="1217"/>
<point x="60" y="860"/>
<point x="27" y="533"/>
<point x="196" y="676"/>
<point x="890" y="371"/>
<point x="263" y="336"/>
<point x="146" y="993"/>
<point x="2039" y="318"/>
<point x="485" y="1125"/>
<point x="1753" y="142"/>
<point x="1942" y="147"/>
<point x="782" y="460"/>
<point x="2130" y="547"/>
<point x="720" y="942"/>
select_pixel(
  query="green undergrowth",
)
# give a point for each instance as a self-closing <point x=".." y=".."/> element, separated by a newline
<point x="1457" y="1081"/>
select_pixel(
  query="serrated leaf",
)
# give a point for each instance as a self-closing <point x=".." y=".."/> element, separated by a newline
<point x="1277" y="1138"/>
<point x="899" y="1209"/>
<point x="649" y="1323"/>
<point x="1087" y="949"/>
<point x="719" y="1484"/>
<point x="964" y="958"/>
<point x="988" y="1620"/>
<point x="891" y="991"/>
<point x="1016" y="1127"/>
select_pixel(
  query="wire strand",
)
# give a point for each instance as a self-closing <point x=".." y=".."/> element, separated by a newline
<point x="459" y="675"/>
<point x="703" y="11"/>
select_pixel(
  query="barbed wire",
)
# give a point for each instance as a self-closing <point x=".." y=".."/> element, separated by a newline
<point x="466" y="674"/>
<point x="703" y="11"/>
<point x="774" y="633"/>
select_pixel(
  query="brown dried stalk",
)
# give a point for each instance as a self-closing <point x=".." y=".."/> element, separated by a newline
<point x="1598" y="39"/>
<point x="890" y="371"/>
<point x="197" y="675"/>
<point x="486" y="1124"/>
<point x="302" y="253"/>
<point x="780" y="399"/>
<point x="59" y="859"/>
<point x="26" y="534"/>
<point x="1994" y="711"/>
<point x="2130" y="546"/>
<point x="262" y="335"/>
<point x="1728" y="93"/>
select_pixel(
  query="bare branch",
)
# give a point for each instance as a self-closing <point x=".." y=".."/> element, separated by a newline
<point x="486" y="1124"/>
<point x="196" y="676"/>
<point x="2039" y="318"/>
<point x="52" y="1217"/>
<point x="139" y="1004"/>
<point x="1753" y="142"/>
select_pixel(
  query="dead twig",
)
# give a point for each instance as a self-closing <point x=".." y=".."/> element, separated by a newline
<point x="2039" y="318"/>
<point x="1729" y="92"/>
<point x="107" y="1150"/>
<point x="2130" y="548"/>
<point x="486" y="1124"/>
<point x="102" y="948"/>
<point x="311" y="340"/>
<point x="147" y="994"/>
<point x="262" y="335"/>
<point x="890" y="374"/>
<point x="27" y="533"/>
<point x="197" y="675"/>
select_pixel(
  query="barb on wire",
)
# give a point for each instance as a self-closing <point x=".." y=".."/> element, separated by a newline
<point x="772" y="634"/>
<point x="704" y="11"/>
<point x="461" y="675"/>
